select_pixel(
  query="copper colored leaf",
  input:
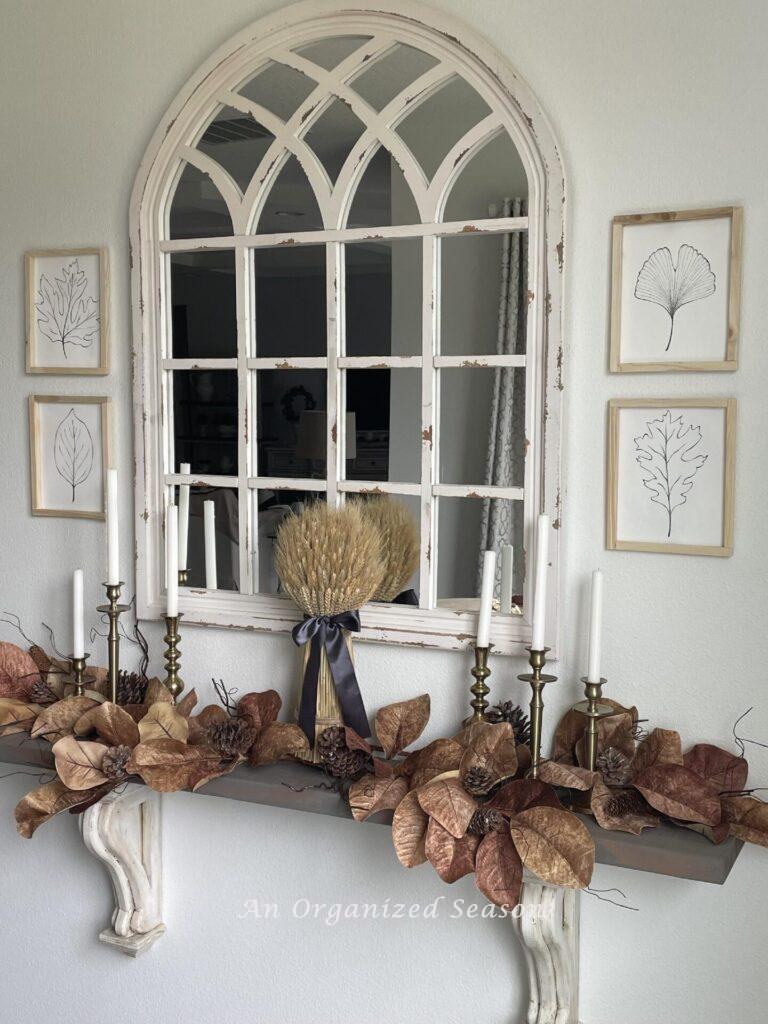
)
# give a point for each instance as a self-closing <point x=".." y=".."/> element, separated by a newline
<point x="617" y="731"/>
<point x="169" y="765"/>
<point x="451" y="858"/>
<point x="437" y="757"/>
<point x="212" y="714"/>
<point x="355" y="742"/>
<point x="20" y="669"/>
<point x="680" y="793"/>
<point x="207" y="772"/>
<point x="59" y="719"/>
<point x="262" y="707"/>
<point x="375" y="793"/>
<point x="41" y="804"/>
<point x="382" y="767"/>
<point x="163" y="722"/>
<point x="187" y="704"/>
<point x="409" y="830"/>
<point x="571" y="728"/>
<point x="469" y="732"/>
<point x="633" y="818"/>
<point x="747" y="818"/>
<point x="555" y="845"/>
<point x="17" y="716"/>
<point x="449" y="804"/>
<point x="493" y="749"/>
<point x="727" y="772"/>
<point x="520" y="794"/>
<point x="278" y="740"/>
<point x="662" y="746"/>
<point x="157" y="692"/>
<point x="524" y="759"/>
<point x="566" y="775"/>
<point x="399" y="725"/>
<point x="499" y="870"/>
<point x="41" y="660"/>
<point x="136" y="711"/>
<point x="78" y="762"/>
<point x="111" y="723"/>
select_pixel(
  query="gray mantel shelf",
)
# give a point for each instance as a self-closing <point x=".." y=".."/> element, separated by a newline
<point x="666" y="850"/>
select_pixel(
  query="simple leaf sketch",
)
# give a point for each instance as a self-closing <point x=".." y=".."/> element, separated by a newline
<point x="668" y="461"/>
<point x="65" y="316"/>
<point x="73" y="451"/>
<point x="671" y="286"/>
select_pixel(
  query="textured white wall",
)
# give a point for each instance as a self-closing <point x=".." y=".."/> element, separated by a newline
<point x="656" y="105"/>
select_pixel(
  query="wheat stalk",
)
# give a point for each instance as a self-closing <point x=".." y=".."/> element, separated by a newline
<point x="399" y="534"/>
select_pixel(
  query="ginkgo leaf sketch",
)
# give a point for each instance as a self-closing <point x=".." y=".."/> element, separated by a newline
<point x="672" y="287"/>
<point x="668" y="459"/>
<point x="65" y="314"/>
<point x="73" y="451"/>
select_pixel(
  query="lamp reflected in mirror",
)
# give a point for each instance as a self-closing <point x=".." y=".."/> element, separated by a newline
<point x="312" y="439"/>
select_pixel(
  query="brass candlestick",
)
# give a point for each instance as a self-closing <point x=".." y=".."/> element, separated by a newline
<point x="183" y="577"/>
<point x="114" y="611"/>
<point x="479" y="690"/>
<point x="594" y="710"/>
<point x="173" y="680"/>
<point x="537" y="661"/>
<point x="77" y="667"/>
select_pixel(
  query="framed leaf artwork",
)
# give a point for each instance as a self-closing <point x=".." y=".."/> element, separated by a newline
<point x="69" y="451"/>
<point x="671" y="475"/>
<point x="676" y="291"/>
<point x="67" y="307"/>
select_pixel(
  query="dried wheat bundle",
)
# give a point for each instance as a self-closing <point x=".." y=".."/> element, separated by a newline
<point x="329" y="559"/>
<point x="399" y="533"/>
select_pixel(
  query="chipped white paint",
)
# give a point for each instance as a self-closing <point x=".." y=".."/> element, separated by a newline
<point x="513" y="110"/>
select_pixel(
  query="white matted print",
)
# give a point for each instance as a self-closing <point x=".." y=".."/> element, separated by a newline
<point x="67" y="306"/>
<point x="676" y="291"/>
<point x="670" y="475"/>
<point x="69" y="449"/>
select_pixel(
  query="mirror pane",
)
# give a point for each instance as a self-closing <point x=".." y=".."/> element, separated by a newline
<point x="205" y="420"/>
<point x="482" y="426"/>
<point x="440" y="121"/>
<point x="381" y="81"/>
<point x="279" y="88"/>
<point x="383" y="196"/>
<point x="494" y="172"/>
<point x="333" y="135"/>
<point x="197" y="209"/>
<point x="237" y="142"/>
<point x="225" y="538"/>
<point x="203" y="304"/>
<point x="484" y="294"/>
<point x="291" y="204"/>
<point x="329" y="53"/>
<point x="386" y="406"/>
<point x="291" y="423"/>
<point x="467" y="527"/>
<point x="273" y="507"/>
<point x="290" y="307"/>
<point x="383" y="298"/>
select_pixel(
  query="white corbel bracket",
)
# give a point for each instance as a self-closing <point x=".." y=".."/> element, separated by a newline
<point x="124" y="831"/>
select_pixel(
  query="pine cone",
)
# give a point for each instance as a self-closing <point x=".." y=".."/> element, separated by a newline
<point x="41" y="693"/>
<point x="486" y="820"/>
<point x="115" y="760"/>
<point x="628" y="801"/>
<point x="336" y="757"/>
<point x="613" y="766"/>
<point x="478" y="781"/>
<point x="131" y="688"/>
<point x="230" y="738"/>
<point x="507" y="711"/>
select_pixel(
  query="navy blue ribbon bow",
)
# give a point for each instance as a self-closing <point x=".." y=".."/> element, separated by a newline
<point x="327" y="631"/>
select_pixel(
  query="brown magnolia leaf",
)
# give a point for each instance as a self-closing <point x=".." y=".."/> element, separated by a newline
<point x="451" y="858"/>
<point x="617" y="731"/>
<point x="555" y="845"/>
<point x="157" y="692"/>
<point x="520" y="794"/>
<point x="399" y="725"/>
<point x="168" y="765"/>
<point x="469" y="732"/>
<point x="355" y="742"/>
<point x="382" y="767"/>
<point x="41" y="804"/>
<point x="136" y="711"/>
<point x="112" y="724"/>
<point x="747" y="818"/>
<point x="726" y="771"/>
<point x="59" y="719"/>
<point x="571" y="728"/>
<point x="163" y="722"/>
<point x="499" y="870"/>
<point x="262" y="707"/>
<point x="567" y="775"/>
<point x="41" y="660"/>
<point x="187" y="704"/>
<point x="492" y="748"/>
<point x="524" y="759"/>
<point x="634" y="818"/>
<point x="376" y="793"/>
<point x="199" y="777"/>
<point x="662" y="746"/>
<point x="17" y="716"/>
<point x="212" y="714"/>
<point x="409" y="830"/>
<point x="78" y="762"/>
<point x="437" y="757"/>
<point x="679" y="793"/>
<point x="18" y="670"/>
<point x="278" y="740"/>
<point x="449" y="804"/>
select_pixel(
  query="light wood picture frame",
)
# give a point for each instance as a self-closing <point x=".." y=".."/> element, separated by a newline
<point x="670" y="475"/>
<point x="69" y="444"/>
<point x="67" y="298"/>
<point x="686" y="262"/>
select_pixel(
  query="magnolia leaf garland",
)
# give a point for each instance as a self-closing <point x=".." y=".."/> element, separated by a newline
<point x="499" y="869"/>
<point x="400" y="725"/>
<point x="78" y="762"/>
<point x="163" y="722"/>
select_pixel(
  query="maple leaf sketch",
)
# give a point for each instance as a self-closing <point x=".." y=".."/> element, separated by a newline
<point x="671" y="286"/>
<point x="668" y="459"/>
<point x="73" y="450"/>
<point x="64" y="315"/>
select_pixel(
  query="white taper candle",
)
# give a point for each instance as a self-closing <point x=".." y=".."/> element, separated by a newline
<point x="486" y="599"/>
<point x="209" y="520"/>
<point x="183" y="517"/>
<point x="540" y="583"/>
<point x="113" y="538"/>
<point x="78" y="627"/>
<point x="172" y="561"/>
<point x="507" y="565"/>
<point x="595" y="627"/>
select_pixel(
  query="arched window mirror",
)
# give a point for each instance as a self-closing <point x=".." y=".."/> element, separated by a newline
<point x="347" y="254"/>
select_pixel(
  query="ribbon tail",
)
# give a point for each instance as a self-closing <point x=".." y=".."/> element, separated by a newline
<point x="308" y="705"/>
<point x="347" y="688"/>
<point x="407" y="597"/>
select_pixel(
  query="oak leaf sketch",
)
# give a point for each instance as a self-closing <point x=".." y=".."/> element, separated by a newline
<point x="65" y="315"/>
<point x="668" y="460"/>
<point x="73" y="451"/>
<point x="671" y="286"/>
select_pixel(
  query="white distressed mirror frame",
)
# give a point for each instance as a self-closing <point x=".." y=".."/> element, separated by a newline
<point x="515" y="110"/>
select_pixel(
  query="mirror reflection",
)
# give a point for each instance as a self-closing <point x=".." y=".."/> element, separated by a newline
<point x="212" y="553"/>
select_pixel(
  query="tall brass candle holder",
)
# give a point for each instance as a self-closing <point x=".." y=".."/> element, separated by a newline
<point x="77" y="666"/>
<point x="479" y="690"/>
<point x="173" y="680"/>
<point x="594" y="710"/>
<point x="537" y="660"/>
<point x="113" y="610"/>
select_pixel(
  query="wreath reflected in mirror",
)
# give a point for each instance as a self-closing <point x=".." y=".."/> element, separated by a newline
<point x="297" y="396"/>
